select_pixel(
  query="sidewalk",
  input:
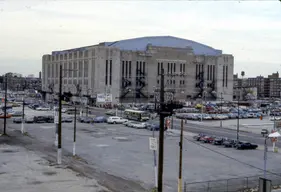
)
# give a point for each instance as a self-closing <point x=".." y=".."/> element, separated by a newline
<point x="25" y="171"/>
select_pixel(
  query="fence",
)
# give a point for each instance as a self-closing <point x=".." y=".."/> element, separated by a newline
<point x="242" y="184"/>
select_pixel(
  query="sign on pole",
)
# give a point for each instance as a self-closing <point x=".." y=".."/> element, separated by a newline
<point x="153" y="143"/>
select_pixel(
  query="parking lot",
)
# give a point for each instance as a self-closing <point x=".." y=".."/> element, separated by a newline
<point x="125" y="152"/>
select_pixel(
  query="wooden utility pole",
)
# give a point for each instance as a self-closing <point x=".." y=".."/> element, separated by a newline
<point x="161" y="134"/>
<point x="59" y="124"/>
<point x="74" y="134"/>
<point x="180" y="160"/>
<point x="5" y="105"/>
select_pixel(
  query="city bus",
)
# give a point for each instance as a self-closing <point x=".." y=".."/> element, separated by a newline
<point x="136" y="115"/>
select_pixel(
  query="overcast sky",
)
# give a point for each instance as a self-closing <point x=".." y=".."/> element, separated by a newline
<point x="250" y="30"/>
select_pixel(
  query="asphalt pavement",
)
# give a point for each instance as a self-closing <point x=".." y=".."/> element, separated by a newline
<point x="124" y="152"/>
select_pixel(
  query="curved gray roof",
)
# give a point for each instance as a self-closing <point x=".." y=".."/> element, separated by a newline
<point x="140" y="44"/>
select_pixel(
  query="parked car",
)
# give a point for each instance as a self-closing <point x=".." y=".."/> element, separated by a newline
<point x="100" y="119"/>
<point x="207" y="139"/>
<point x="17" y="120"/>
<point x="29" y="120"/>
<point x="264" y="132"/>
<point x="219" y="140"/>
<point x="246" y="145"/>
<point x="138" y="125"/>
<point x="198" y="137"/>
<point x="43" y="119"/>
<point x="66" y="119"/>
<point x="110" y="113"/>
<point x="229" y="143"/>
<point x="85" y="119"/>
<point x="16" y="114"/>
<point x="115" y="119"/>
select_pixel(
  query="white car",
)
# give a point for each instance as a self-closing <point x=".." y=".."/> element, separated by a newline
<point x="42" y="108"/>
<point x="139" y="125"/>
<point x="115" y="119"/>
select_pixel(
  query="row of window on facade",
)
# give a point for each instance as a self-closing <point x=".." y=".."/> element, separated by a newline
<point x="69" y="69"/>
<point x="70" y="55"/>
<point x="172" y="82"/>
<point x="171" y="68"/>
<point x="84" y="81"/>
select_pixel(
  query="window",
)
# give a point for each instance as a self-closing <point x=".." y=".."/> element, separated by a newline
<point x="168" y="67"/>
<point x="226" y="75"/>
<point x="106" y="71"/>
<point x="180" y="67"/>
<point x="70" y="72"/>
<point x="86" y="68"/>
<point x="53" y="58"/>
<point x="86" y="53"/>
<point x="196" y="72"/>
<point x="75" y="81"/>
<point x="70" y="55"/>
<point x="61" y="57"/>
<point x="223" y="73"/>
<point x="75" y="55"/>
<point x="158" y="81"/>
<point x="110" y="73"/>
<point x="213" y="72"/>
<point x="65" y="66"/>
<point x="161" y="67"/>
<point x="85" y="81"/>
<point x="80" y="70"/>
<point x="183" y="68"/>
<point x="57" y="70"/>
<point x="57" y="57"/>
<point x="174" y="68"/>
<point x="208" y="73"/>
<point x="123" y="68"/>
<point x="143" y="67"/>
<point x="80" y="54"/>
<point x="65" y="56"/>
<point x="126" y="69"/>
<point x="183" y="82"/>
<point x="75" y="68"/>
<point x="130" y="69"/>
<point x="174" y="82"/>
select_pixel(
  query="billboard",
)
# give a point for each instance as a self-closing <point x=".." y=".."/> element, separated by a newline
<point x="104" y="98"/>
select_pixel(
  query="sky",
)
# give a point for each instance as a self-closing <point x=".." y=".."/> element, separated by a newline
<point x="249" y="30"/>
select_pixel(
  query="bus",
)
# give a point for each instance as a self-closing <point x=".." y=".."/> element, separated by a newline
<point x="136" y="115"/>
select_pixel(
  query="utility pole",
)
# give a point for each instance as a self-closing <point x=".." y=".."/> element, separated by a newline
<point x="59" y="124"/>
<point x="238" y="120"/>
<point x="74" y="134"/>
<point x="22" y="121"/>
<point x="161" y="134"/>
<point x="5" y="105"/>
<point x="221" y="111"/>
<point x="180" y="160"/>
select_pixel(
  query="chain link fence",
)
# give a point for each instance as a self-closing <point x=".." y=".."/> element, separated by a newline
<point x="242" y="184"/>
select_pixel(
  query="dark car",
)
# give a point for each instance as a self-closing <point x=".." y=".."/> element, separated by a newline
<point x="246" y="145"/>
<point x="43" y="119"/>
<point x="85" y="119"/>
<point x="17" y="120"/>
<point x="100" y="119"/>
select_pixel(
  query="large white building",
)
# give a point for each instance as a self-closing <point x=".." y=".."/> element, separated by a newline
<point x="129" y="69"/>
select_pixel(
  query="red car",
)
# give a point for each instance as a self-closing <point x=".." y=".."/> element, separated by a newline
<point x="207" y="139"/>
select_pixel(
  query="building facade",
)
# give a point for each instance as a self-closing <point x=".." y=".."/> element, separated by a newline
<point x="129" y="70"/>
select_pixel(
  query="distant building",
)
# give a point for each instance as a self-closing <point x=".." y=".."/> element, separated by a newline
<point x="18" y="83"/>
<point x="267" y="87"/>
<point x="129" y="70"/>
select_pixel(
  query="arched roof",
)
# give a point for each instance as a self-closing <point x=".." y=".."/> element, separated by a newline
<point x="140" y="44"/>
